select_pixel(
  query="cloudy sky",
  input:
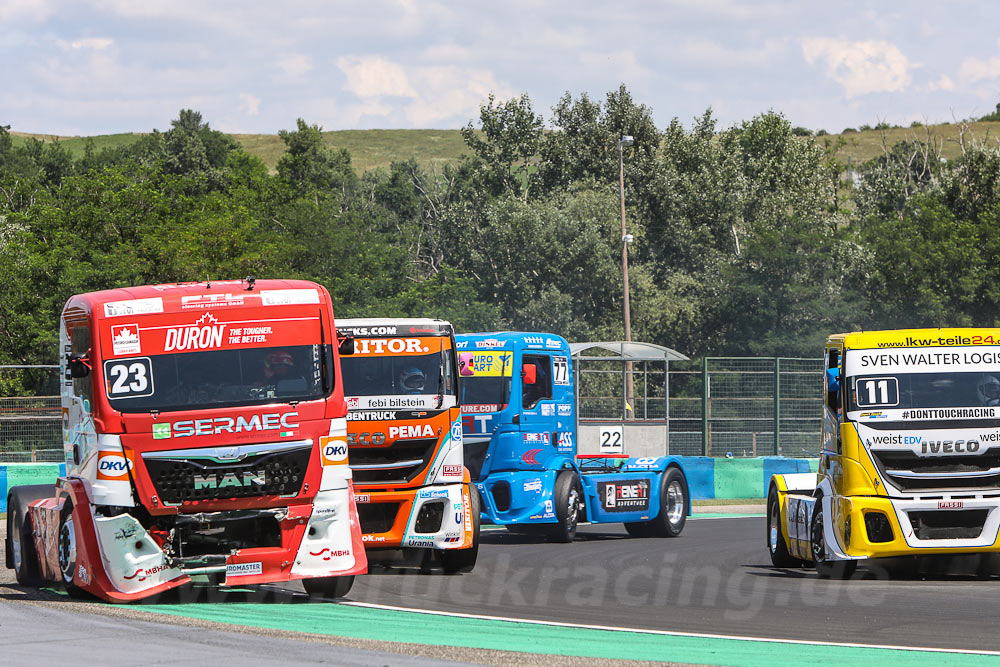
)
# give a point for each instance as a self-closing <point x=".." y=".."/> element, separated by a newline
<point x="85" y="67"/>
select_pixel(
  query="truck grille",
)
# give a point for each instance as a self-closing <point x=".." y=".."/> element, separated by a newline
<point x="229" y="472"/>
<point x="910" y="472"/>
<point x="401" y="461"/>
<point x="377" y="517"/>
<point x="947" y="524"/>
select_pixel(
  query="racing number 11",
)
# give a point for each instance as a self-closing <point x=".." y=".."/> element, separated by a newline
<point x="878" y="391"/>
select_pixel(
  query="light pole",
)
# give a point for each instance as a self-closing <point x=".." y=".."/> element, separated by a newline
<point x="626" y="239"/>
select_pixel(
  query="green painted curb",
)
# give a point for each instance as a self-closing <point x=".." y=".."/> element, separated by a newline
<point x="425" y="628"/>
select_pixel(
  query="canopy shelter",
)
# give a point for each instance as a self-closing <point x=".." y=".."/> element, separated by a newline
<point x="622" y="394"/>
<point x="627" y="351"/>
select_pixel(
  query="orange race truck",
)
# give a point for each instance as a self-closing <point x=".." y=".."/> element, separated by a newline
<point x="404" y="431"/>
<point x="204" y="429"/>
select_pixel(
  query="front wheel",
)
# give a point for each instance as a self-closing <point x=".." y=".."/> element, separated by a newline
<point x="328" y="587"/>
<point x="66" y="551"/>
<point x="463" y="560"/>
<point x="776" y="546"/>
<point x="826" y="568"/>
<point x="566" y="497"/>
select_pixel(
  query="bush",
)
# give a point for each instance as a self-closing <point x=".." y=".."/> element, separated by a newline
<point x="821" y="133"/>
<point x="802" y="131"/>
<point x="850" y="130"/>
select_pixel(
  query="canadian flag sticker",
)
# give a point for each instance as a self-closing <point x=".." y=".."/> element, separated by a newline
<point x="125" y="339"/>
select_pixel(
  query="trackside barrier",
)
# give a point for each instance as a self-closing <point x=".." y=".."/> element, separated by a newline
<point x="708" y="477"/>
<point x="18" y="474"/>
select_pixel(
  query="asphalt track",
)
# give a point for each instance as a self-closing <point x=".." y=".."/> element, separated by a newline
<point x="703" y="597"/>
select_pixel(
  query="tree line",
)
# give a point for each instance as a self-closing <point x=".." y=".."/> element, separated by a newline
<point x="748" y="240"/>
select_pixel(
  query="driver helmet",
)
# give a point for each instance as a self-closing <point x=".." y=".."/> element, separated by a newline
<point x="412" y="380"/>
<point x="989" y="390"/>
<point x="279" y="359"/>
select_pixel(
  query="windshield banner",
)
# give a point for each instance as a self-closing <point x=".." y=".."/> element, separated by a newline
<point x="196" y="332"/>
<point x="917" y="360"/>
<point x="485" y="364"/>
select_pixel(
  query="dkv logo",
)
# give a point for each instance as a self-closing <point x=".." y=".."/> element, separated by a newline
<point x="333" y="450"/>
<point x="112" y="466"/>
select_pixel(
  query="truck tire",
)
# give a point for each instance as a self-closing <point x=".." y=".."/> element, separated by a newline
<point x="672" y="513"/>
<point x="66" y="550"/>
<point x="674" y="499"/>
<point x="566" y="497"/>
<point x="20" y="543"/>
<point x="826" y="569"/>
<point x="328" y="587"/>
<point x="776" y="546"/>
<point x="463" y="560"/>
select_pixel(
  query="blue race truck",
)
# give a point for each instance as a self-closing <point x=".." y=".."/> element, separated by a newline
<point x="520" y="433"/>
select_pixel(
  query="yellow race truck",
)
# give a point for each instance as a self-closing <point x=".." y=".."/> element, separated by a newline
<point x="910" y="461"/>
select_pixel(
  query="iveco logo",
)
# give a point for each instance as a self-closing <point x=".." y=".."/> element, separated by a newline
<point x="229" y="479"/>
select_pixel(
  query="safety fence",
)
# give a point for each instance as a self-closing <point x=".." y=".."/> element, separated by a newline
<point x="722" y="407"/>
<point x="708" y="478"/>
<point x="30" y="414"/>
<point x="714" y="406"/>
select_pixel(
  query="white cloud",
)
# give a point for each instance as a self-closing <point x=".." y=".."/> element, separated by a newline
<point x="861" y="67"/>
<point x="437" y="93"/>
<point x="944" y="82"/>
<point x="975" y="69"/>
<point x="452" y="93"/>
<point x="21" y="10"/>
<point x="374" y="76"/>
<point x="96" y="43"/>
<point x="706" y="51"/>
<point x="295" y="66"/>
<point x="621" y="65"/>
<point x="250" y="104"/>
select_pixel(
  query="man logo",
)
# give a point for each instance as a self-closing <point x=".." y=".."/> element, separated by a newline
<point x="333" y="450"/>
<point x="609" y="495"/>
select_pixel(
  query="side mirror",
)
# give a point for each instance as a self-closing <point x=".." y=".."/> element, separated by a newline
<point x="346" y="346"/>
<point x="76" y="366"/>
<point x="528" y="374"/>
<point x="465" y="360"/>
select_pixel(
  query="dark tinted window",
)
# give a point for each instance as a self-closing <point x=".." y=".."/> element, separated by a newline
<point x="388" y="376"/>
<point x="924" y="390"/>
<point x="542" y="387"/>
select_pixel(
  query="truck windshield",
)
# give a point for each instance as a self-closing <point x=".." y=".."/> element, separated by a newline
<point x="219" y="378"/>
<point x="913" y="392"/>
<point x="392" y="375"/>
<point x="486" y="393"/>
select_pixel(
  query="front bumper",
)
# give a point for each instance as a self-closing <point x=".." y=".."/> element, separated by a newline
<point x="921" y="526"/>
<point x="119" y="561"/>
<point x="432" y="517"/>
<point x="518" y="497"/>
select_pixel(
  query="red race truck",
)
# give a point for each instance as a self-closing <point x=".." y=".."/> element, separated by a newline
<point x="205" y="434"/>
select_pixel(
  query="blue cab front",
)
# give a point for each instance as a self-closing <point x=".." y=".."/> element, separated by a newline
<point x="519" y="421"/>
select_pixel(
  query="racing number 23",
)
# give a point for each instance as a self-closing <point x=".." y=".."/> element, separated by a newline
<point x="129" y="378"/>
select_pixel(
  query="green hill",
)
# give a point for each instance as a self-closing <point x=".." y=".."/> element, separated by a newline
<point x="374" y="149"/>
<point x="369" y="149"/>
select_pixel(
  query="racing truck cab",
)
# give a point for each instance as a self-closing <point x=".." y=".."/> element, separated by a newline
<point x="204" y="434"/>
<point x="520" y="427"/>
<point x="910" y="458"/>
